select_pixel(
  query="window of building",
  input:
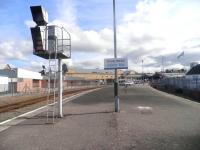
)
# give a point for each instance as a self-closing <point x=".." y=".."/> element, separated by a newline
<point x="35" y="83"/>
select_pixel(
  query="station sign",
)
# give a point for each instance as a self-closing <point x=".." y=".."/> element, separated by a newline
<point x="115" y="63"/>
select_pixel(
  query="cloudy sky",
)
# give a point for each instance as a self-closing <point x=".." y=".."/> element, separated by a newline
<point x="147" y="30"/>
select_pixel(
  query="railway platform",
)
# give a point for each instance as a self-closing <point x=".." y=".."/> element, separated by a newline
<point x="148" y="119"/>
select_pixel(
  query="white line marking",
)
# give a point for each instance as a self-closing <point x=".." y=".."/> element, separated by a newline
<point x="145" y="109"/>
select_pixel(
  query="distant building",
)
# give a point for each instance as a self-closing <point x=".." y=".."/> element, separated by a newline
<point x="21" y="80"/>
<point x="94" y="74"/>
<point x="3" y="84"/>
<point x="175" y="72"/>
<point x="77" y="81"/>
<point x="130" y="75"/>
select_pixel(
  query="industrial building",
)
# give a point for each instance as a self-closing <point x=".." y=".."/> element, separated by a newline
<point x="17" y="80"/>
<point x="104" y="76"/>
<point x="20" y="80"/>
<point x="3" y="84"/>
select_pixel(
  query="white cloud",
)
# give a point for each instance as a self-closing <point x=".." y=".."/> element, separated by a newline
<point x="97" y="61"/>
<point x="66" y="11"/>
<point x="30" y="23"/>
<point x="156" y="28"/>
<point x="37" y="66"/>
<point x="172" y="21"/>
<point x="15" y="50"/>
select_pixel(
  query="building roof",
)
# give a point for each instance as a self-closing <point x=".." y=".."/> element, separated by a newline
<point x="194" y="71"/>
<point x="7" y="66"/>
<point x="130" y="72"/>
<point x="73" y="78"/>
<point x="20" y="73"/>
<point x="8" y="73"/>
<point x="76" y="70"/>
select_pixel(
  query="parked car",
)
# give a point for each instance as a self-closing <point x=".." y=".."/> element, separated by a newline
<point x="137" y="82"/>
<point x="128" y="83"/>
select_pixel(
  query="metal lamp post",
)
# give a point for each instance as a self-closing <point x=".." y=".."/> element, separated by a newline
<point x="60" y="100"/>
<point x="142" y="73"/>
<point x="116" y="97"/>
<point x="12" y="83"/>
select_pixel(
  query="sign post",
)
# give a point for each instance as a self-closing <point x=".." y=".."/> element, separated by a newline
<point x="116" y="63"/>
<point x="115" y="55"/>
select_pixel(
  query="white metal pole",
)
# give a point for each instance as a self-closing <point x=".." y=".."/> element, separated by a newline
<point x="116" y="97"/>
<point x="142" y="73"/>
<point x="60" y="108"/>
<point x="11" y="86"/>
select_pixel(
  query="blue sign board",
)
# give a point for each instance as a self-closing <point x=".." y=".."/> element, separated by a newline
<point x="115" y="63"/>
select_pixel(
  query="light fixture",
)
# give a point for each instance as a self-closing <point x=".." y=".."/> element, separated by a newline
<point x="40" y="16"/>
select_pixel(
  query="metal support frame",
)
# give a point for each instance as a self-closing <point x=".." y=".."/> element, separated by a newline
<point x="40" y="18"/>
<point x="116" y="97"/>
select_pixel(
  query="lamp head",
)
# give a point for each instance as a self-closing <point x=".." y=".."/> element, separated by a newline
<point x="40" y="16"/>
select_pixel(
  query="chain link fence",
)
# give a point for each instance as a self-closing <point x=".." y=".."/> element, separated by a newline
<point x="40" y="87"/>
<point x="185" y="87"/>
<point x="178" y="83"/>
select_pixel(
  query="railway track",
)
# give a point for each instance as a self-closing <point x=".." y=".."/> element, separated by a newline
<point x="28" y="102"/>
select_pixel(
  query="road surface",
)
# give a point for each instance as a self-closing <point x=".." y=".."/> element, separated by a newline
<point x="148" y="120"/>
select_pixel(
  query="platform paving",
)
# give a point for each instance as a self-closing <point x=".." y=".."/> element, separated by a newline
<point x="148" y="120"/>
